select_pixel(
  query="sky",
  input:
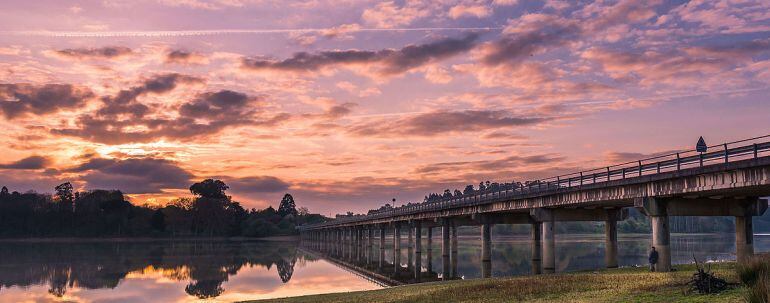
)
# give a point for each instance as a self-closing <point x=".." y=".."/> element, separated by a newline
<point x="349" y="104"/>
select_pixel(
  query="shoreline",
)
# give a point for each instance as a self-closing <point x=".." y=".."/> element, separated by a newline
<point x="147" y="239"/>
<point x="626" y="284"/>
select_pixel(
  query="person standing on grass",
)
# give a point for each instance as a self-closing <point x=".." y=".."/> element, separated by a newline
<point x="653" y="258"/>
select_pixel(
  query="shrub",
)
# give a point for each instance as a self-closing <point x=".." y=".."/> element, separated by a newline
<point x="760" y="292"/>
<point x="755" y="273"/>
<point x="754" y="268"/>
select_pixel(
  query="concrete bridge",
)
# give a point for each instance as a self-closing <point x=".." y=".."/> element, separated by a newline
<point x="728" y="180"/>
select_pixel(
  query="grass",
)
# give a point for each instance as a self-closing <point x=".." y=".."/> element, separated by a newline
<point x="756" y="275"/>
<point x="614" y="285"/>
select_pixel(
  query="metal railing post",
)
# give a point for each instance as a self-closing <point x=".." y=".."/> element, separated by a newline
<point x="678" y="162"/>
<point x="608" y="173"/>
<point x="581" y="178"/>
<point x="726" y="154"/>
<point x="756" y="150"/>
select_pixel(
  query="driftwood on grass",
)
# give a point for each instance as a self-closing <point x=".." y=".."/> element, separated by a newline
<point x="704" y="282"/>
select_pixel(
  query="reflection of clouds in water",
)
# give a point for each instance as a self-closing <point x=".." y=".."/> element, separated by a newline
<point x="128" y="272"/>
<point x="314" y="278"/>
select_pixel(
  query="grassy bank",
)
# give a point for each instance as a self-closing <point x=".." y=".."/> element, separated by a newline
<point x="615" y="285"/>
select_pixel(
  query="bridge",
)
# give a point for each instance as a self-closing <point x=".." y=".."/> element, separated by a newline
<point x="726" y="180"/>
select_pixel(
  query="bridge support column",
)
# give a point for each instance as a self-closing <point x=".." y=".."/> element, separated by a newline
<point x="410" y="247"/>
<point x="429" y="244"/>
<point x="369" y="244"/>
<point x="338" y="241"/>
<point x="536" y="247"/>
<point x="417" y="250"/>
<point x="549" y="247"/>
<point x="657" y="210"/>
<point x="454" y="256"/>
<point x="486" y="250"/>
<point x="361" y="243"/>
<point x="445" y="250"/>
<point x="744" y="238"/>
<point x="396" y="248"/>
<point x="661" y="241"/>
<point x="611" y="239"/>
<point x="382" y="247"/>
<point x="356" y="242"/>
<point x="351" y="242"/>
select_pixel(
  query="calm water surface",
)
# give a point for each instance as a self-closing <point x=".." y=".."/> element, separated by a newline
<point x="231" y="271"/>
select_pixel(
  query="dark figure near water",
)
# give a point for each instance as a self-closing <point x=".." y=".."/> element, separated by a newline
<point x="653" y="258"/>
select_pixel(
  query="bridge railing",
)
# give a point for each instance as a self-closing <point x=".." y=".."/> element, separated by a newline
<point x="722" y="153"/>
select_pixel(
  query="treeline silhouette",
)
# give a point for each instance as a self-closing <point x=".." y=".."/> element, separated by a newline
<point x="204" y="265"/>
<point x="100" y="213"/>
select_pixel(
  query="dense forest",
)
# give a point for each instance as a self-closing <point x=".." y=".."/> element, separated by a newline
<point x="107" y="213"/>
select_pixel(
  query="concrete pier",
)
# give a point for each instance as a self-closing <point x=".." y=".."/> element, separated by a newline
<point x="536" y="248"/>
<point x="661" y="241"/>
<point x="369" y="245"/>
<point x="549" y="247"/>
<point x="445" y="250"/>
<point x="454" y="256"/>
<point x="417" y="250"/>
<point x="429" y="248"/>
<point x="410" y="247"/>
<point x="397" y="247"/>
<point x="486" y="250"/>
<point x="382" y="248"/>
<point x="744" y="238"/>
<point x="611" y="240"/>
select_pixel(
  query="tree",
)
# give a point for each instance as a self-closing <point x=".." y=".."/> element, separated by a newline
<point x="468" y="190"/>
<point x="210" y="206"/>
<point x="64" y="192"/>
<point x="65" y="195"/>
<point x="158" y="220"/>
<point x="210" y="188"/>
<point x="287" y="206"/>
<point x="4" y="191"/>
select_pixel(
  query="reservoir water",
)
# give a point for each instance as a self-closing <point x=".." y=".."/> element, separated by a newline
<point x="227" y="271"/>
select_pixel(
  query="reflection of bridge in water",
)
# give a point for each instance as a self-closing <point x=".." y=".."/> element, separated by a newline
<point x="371" y="263"/>
<point x="724" y="182"/>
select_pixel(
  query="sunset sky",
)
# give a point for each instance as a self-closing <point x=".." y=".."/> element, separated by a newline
<point x="348" y="104"/>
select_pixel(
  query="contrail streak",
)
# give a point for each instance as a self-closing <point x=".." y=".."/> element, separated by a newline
<point x="183" y="33"/>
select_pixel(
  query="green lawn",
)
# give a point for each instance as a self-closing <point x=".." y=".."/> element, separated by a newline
<point x="615" y="285"/>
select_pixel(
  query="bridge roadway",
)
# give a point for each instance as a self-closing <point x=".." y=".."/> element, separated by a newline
<point x="726" y="181"/>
